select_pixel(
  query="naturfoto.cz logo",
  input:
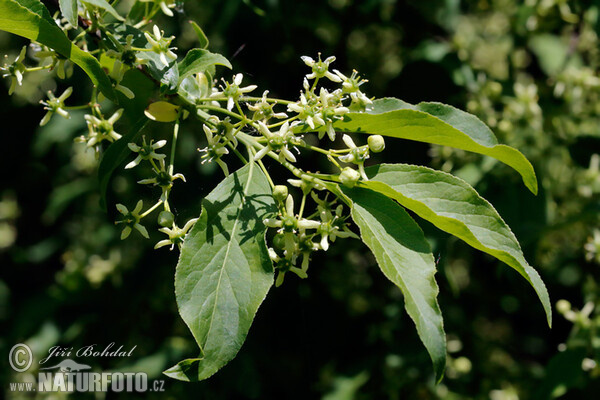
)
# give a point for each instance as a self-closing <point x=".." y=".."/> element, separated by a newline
<point x="68" y="375"/>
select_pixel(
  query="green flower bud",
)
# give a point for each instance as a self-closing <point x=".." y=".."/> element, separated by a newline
<point x="279" y="241"/>
<point x="349" y="177"/>
<point x="376" y="143"/>
<point x="280" y="192"/>
<point x="166" y="219"/>
<point x="563" y="306"/>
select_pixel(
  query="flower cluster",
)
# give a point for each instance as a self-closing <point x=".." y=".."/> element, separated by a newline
<point x="232" y="121"/>
<point x="295" y="235"/>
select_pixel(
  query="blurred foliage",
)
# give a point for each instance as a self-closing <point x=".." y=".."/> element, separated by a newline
<point x="530" y="70"/>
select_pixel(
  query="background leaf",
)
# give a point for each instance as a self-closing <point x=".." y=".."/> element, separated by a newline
<point x="202" y="39"/>
<point x="68" y="8"/>
<point x="103" y="4"/>
<point x="199" y="60"/>
<point x="30" y="19"/>
<point x="436" y="123"/>
<point x="405" y="258"/>
<point x="455" y="207"/>
<point x="224" y="272"/>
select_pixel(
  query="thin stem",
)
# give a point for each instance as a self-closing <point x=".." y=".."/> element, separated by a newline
<point x="173" y="145"/>
<point x="156" y="169"/>
<point x="33" y="69"/>
<point x="148" y="211"/>
<point x="270" y="100"/>
<point x="314" y="85"/>
<point x="81" y="107"/>
<point x="249" y="98"/>
<point x="262" y="166"/>
<point x="237" y="105"/>
<point x="222" y="110"/>
<point x="302" y="204"/>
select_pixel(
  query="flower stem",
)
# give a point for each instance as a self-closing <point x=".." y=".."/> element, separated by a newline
<point x="148" y="211"/>
<point x="173" y="145"/>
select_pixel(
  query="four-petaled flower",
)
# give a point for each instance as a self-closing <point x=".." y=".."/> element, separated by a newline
<point x="15" y="70"/>
<point x="160" y="45"/>
<point x="146" y="151"/>
<point x="284" y="265"/>
<point x="176" y="234"/>
<point x="100" y="129"/>
<point x="351" y="85"/>
<point x="279" y="142"/>
<point x="162" y="178"/>
<point x="333" y="226"/>
<point x="288" y="222"/>
<point x="331" y="110"/>
<point x="357" y="155"/>
<point x="320" y="69"/>
<point x="131" y="219"/>
<point x="215" y="149"/>
<point x="233" y="91"/>
<point x="307" y="112"/>
<point x="55" y="105"/>
<point x="263" y="110"/>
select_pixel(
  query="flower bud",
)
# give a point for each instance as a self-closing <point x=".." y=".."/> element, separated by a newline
<point x="279" y="241"/>
<point x="349" y="177"/>
<point x="376" y="143"/>
<point x="166" y="219"/>
<point x="563" y="306"/>
<point x="280" y="192"/>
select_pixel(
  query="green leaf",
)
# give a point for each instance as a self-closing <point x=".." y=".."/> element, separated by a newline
<point x="103" y="4"/>
<point x="224" y="271"/>
<point x="115" y="154"/>
<point x="30" y="19"/>
<point x="202" y="39"/>
<point x="455" y="207"/>
<point x="404" y="256"/>
<point x="68" y="8"/>
<point x="438" y="124"/>
<point x="199" y="60"/>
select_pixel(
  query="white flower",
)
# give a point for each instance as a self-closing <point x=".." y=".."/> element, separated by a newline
<point x="15" y="70"/>
<point x="146" y="151"/>
<point x="233" y="91"/>
<point x="131" y="220"/>
<point x="320" y="68"/>
<point x="215" y="150"/>
<point x="280" y="142"/>
<point x="100" y="129"/>
<point x="56" y="105"/>
<point x="357" y="155"/>
<point x="264" y="110"/>
<point x="287" y="222"/>
<point x="307" y="113"/>
<point x="284" y="265"/>
<point x="160" y="45"/>
<point x="333" y="226"/>
<point x="162" y="178"/>
<point x="176" y="234"/>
